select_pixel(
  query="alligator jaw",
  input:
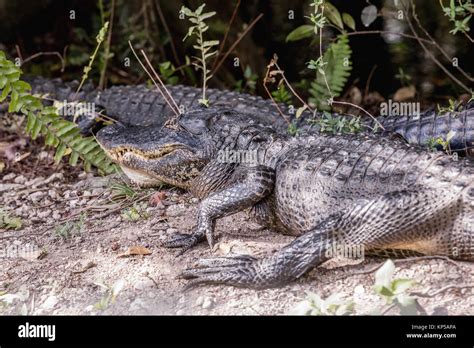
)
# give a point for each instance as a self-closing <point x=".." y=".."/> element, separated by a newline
<point x="157" y="168"/>
<point x="171" y="163"/>
<point x="119" y="153"/>
<point x="141" y="178"/>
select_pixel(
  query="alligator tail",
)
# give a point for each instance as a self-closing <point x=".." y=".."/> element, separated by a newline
<point x="430" y="126"/>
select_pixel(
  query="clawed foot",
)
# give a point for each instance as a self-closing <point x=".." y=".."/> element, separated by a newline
<point x="240" y="271"/>
<point x="183" y="241"/>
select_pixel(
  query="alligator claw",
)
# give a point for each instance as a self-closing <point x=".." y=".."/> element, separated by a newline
<point x="183" y="241"/>
<point x="236" y="271"/>
<point x="210" y="239"/>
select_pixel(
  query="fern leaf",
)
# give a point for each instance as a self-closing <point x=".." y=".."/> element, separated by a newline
<point x="337" y="70"/>
<point x="60" y="152"/>
<point x="73" y="159"/>
<point x="59" y="133"/>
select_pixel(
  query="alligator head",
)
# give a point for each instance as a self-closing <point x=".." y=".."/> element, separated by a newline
<point x="150" y="156"/>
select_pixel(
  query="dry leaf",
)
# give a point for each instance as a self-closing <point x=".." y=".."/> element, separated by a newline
<point x="135" y="250"/>
<point x="404" y="93"/>
<point x="157" y="198"/>
<point x="300" y="111"/>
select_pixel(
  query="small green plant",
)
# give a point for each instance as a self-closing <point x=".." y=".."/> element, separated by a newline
<point x="281" y="95"/>
<point x="197" y="17"/>
<point x="334" y="66"/>
<point x="393" y="291"/>
<point x="70" y="228"/>
<point x="332" y="72"/>
<point x="293" y="129"/>
<point x="2" y="300"/>
<point x="459" y="13"/>
<point x="433" y="143"/>
<point x="9" y="222"/>
<point x="122" y="191"/>
<point x="110" y="295"/>
<point x="336" y="124"/>
<point x="135" y="212"/>
<point x="59" y="133"/>
<point x="105" y="54"/>
<point x="403" y="77"/>
<point x="452" y="107"/>
<point x="319" y="20"/>
<point x="317" y="64"/>
<point x="7" y="299"/>
<point x="317" y="17"/>
<point x="315" y="305"/>
<point x="248" y="83"/>
<point x="167" y="71"/>
<point x="99" y="38"/>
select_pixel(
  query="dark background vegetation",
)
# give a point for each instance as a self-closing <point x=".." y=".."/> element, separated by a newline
<point x="29" y="27"/>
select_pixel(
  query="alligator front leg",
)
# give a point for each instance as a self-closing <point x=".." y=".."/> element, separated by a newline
<point x="393" y="220"/>
<point x="249" y="186"/>
<point x="278" y="269"/>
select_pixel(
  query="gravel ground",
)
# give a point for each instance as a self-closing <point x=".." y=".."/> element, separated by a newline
<point x="79" y="252"/>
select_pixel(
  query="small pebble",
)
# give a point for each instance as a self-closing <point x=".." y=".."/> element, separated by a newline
<point x="20" y="179"/>
<point x="44" y="214"/>
<point x="9" y="176"/>
<point x="36" y="196"/>
<point x="207" y="303"/>
<point x="50" y="302"/>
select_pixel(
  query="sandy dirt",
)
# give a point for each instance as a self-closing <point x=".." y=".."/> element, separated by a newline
<point x="47" y="267"/>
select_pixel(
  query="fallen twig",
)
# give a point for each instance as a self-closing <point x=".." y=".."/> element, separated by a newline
<point x="409" y="259"/>
<point x="368" y="32"/>
<point x="102" y="81"/>
<point x="167" y="29"/>
<point x="268" y="79"/>
<point x="369" y="79"/>
<point x="360" y="108"/>
<point x="443" y="52"/>
<point x="443" y="289"/>
<point x="431" y="55"/>
<point x="36" y="55"/>
<point x="86" y="268"/>
<point x="250" y="26"/>
<point x="221" y="47"/>
<point x="290" y="87"/>
<point x="161" y="82"/>
<point x="176" y="111"/>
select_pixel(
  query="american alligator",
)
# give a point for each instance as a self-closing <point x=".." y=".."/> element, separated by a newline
<point x="141" y="105"/>
<point x="361" y="190"/>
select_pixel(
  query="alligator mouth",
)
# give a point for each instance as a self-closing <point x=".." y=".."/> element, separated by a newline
<point x="118" y="154"/>
<point x="152" y="167"/>
<point x="141" y="178"/>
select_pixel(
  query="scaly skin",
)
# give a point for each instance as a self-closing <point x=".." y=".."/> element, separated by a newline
<point x="140" y="105"/>
<point x="361" y="191"/>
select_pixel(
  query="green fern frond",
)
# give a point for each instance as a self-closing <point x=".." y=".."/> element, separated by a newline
<point x="281" y="95"/>
<point x="59" y="133"/>
<point x="337" y="68"/>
